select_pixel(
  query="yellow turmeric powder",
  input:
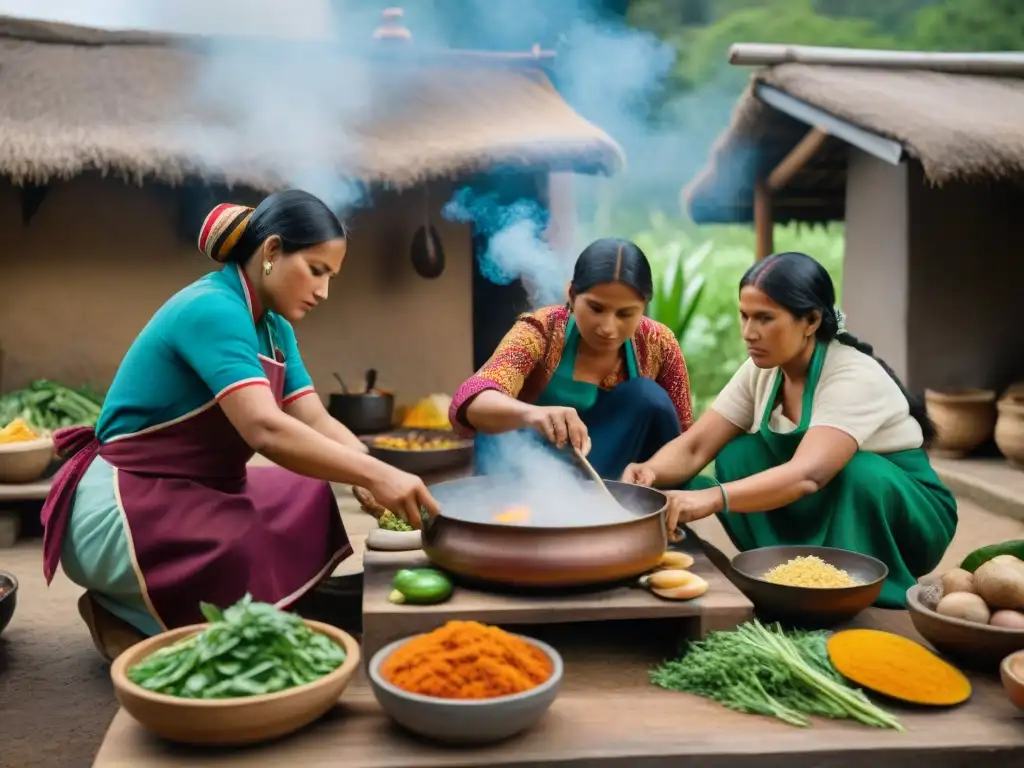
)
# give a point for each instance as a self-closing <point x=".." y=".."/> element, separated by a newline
<point x="897" y="667"/>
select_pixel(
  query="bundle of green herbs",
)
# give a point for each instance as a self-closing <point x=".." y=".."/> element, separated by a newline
<point x="248" y="649"/>
<point x="767" y="671"/>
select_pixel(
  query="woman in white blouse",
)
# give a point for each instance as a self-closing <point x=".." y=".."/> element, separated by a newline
<point x="815" y="441"/>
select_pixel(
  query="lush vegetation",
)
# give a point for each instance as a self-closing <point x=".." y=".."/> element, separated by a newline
<point x="699" y="269"/>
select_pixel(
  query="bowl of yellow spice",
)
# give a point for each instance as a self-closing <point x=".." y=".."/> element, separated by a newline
<point x="808" y="586"/>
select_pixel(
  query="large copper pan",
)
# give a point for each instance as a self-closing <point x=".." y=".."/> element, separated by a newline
<point x="568" y="551"/>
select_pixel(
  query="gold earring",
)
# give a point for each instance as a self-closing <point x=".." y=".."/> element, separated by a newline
<point x="267" y="267"/>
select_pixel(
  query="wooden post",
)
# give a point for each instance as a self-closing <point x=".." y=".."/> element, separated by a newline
<point x="797" y="158"/>
<point x="763" y="240"/>
<point x="791" y="164"/>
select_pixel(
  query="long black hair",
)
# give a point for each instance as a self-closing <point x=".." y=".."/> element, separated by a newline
<point x="300" y="219"/>
<point x="613" y="260"/>
<point x="802" y="286"/>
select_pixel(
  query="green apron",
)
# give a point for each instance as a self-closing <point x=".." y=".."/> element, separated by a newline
<point x="890" y="506"/>
<point x="563" y="390"/>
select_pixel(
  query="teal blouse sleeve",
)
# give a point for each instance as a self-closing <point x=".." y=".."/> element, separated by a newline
<point x="297" y="381"/>
<point x="215" y="336"/>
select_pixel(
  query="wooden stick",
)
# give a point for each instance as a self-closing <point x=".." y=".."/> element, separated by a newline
<point x="797" y="159"/>
<point x="591" y="471"/>
<point x="764" y="241"/>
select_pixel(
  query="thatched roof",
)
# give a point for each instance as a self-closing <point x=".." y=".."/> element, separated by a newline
<point x="131" y="104"/>
<point x="957" y="126"/>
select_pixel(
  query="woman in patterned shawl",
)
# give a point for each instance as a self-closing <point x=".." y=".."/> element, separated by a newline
<point x="594" y="373"/>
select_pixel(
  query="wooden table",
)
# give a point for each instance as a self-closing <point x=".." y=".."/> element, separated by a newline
<point x="722" y="607"/>
<point x="608" y="714"/>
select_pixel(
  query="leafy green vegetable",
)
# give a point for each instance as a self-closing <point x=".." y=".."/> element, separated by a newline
<point x="766" y="671"/>
<point x="48" y="405"/>
<point x="249" y="649"/>
<point x="389" y="521"/>
<point x="982" y="555"/>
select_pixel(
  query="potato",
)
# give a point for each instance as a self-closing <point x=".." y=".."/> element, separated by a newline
<point x="671" y="559"/>
<point x="957" y="580"/>
<point x="1007" y="619"/>
<point x="694" y="587"/>
<point x="1001" y="585"/>
<point x="964" y="605"/>
<point x="1013" y="560"/>
<point x="669" y="579"/>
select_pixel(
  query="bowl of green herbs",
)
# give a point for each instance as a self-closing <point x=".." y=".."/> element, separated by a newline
<point x="252" y="673"/>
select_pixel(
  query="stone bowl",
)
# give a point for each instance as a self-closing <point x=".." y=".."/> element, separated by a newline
<point x="808" y="606"/>
<point x="236" y="721"/>
<point x="25" y="461"/>
<point x="466" y="721"/>
<point x="8" y="598"/>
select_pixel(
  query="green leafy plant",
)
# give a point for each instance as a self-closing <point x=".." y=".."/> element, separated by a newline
<point x="678" y="282"/>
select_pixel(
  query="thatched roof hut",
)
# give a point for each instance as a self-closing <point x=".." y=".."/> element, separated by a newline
<point x="130" y="104"/>
<point x="957" y="115"/>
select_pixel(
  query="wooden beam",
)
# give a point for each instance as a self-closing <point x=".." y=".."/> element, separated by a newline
<point x="797" y="159"/>
<point x="763" y="224"/>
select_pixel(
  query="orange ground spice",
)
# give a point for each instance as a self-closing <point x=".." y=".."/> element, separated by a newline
<point x="467" y="660"/>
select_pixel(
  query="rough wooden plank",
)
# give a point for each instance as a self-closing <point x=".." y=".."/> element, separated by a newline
<point x="24" y="491"/>
<point x="608" y="714"/>
<point x="721" y="607"/>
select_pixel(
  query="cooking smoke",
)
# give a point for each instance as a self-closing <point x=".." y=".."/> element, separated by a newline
<point x="269" y="77"/>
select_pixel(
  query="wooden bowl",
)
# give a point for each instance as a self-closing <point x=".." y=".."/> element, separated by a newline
<point x="968" y="643"/>
<point x="808" y="606"/>
<point x="25" y="461"/>
<point x="236" y="721"/>
<point x="1011" y="671"/>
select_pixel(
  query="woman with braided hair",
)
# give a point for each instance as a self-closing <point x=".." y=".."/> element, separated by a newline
<point x="156" y="509"/>
<point x="815" y="440"/>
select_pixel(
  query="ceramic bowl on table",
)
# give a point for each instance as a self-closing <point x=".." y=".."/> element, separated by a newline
<point x="8" y="598"/>
<point x="25" y="461"/>
<point x="236" y="721"/>
<point x="808" y="606"/>
<point x="967" y="642"/>
<point x="1011" y="672"/>
<point x="465" y="721"/>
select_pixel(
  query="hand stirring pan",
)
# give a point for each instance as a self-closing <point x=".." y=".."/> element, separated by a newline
<point x="675" y="536"/>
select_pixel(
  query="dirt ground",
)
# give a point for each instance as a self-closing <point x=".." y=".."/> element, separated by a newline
<point x="55" y="694"/>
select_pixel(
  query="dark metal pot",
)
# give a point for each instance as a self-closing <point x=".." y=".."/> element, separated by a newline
<point x="467" y="542"/>
<point x="363" y="412"/>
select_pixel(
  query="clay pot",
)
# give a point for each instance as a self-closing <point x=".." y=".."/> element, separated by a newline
<point x="963" y="419"/>
<point x="1010" y="430"/>
<point x="1013" y="392"/>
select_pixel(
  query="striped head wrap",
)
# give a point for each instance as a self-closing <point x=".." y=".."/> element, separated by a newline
<point x="222" y="228"/>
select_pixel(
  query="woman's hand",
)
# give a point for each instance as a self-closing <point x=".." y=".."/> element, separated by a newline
<point x="403" y="494"/>
<point x="560" y="425"/>
<point x="687" y="506"/>
<point x="639" y="474"/>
